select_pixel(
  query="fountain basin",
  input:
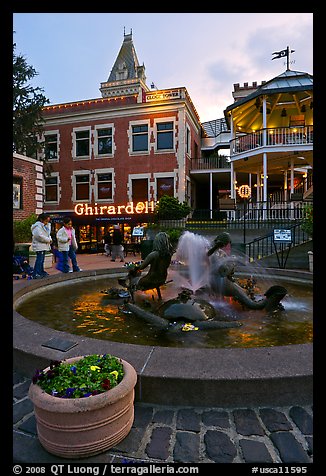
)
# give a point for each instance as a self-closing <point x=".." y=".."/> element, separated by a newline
<point x="178" y="376"/>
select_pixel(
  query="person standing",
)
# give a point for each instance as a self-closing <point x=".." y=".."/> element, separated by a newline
<point x="117" y="248"/>
<point x="41" y="242"/>
<point x="67" y="244"/>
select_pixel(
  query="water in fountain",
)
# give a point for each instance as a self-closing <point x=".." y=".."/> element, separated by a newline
<point x="192" y="252"/>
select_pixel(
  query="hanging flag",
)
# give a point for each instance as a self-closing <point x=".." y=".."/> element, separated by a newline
<point x="282" y="53"/>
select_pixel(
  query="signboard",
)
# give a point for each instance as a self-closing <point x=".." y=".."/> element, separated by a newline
<point x="282" y="236"/>
<point x="138" y="231"/>
<point x="244" y="191"/>
<point x="161" y="95"/>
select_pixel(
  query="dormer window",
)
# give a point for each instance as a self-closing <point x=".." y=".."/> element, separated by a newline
<point x="122" y="72"/>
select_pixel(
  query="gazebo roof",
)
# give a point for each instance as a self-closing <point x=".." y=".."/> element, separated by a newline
<point x="285" y="82"/>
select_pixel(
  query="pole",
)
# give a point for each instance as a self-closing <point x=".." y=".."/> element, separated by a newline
<point x="244" y="220"/>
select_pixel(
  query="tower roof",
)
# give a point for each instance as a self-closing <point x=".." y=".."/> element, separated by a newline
<point x="126" y="65"/>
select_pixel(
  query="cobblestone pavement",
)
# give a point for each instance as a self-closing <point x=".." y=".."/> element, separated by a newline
<point x="166" y="434"/>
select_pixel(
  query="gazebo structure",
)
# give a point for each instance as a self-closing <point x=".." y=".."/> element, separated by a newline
<point x="272" y="138"/>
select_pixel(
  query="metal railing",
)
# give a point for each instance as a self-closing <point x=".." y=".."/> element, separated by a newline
<point x="272" y="137"/>
<point x="264" y="246"/>
<point x="207" y="163"/>
<point x="253" y="215"/>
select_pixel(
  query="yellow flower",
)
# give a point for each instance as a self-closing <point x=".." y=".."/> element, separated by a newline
<point x="95" y="367"/>
<point x="114" y="373"/>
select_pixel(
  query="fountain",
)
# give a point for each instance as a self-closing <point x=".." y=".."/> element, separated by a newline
<point x="208" y="271"/>
<point x="176" y="359"/>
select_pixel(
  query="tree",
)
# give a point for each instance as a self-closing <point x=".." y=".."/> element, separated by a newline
<point x="27" y="108"/>
<point x="169" y="208"/>
<point x="307" y="219"/>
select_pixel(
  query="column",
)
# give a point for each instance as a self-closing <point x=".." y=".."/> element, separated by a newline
<point x="211" y="195"/>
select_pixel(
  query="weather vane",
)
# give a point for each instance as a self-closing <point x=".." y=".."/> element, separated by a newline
<point x="282" y="53"/>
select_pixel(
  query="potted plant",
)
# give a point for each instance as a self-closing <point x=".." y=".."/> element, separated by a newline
<point x="22" y="235"/>
<point x="83" y="405"/>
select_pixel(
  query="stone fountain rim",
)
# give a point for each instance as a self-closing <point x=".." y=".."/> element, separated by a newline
<point x="163" y="372"/>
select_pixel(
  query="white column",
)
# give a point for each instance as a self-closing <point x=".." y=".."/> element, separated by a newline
<point x="210" y="195"/>
<point x="292" y="176"/>
<point x="265" y="176"/>
<point x="264" y="120"/>
<point x="285" y="185"/>
<point x="258" y="187"/>
<point x="232" y="180"/>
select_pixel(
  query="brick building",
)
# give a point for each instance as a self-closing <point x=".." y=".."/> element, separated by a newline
<point x="27" y="186"/>
<point x="114" y="156"/>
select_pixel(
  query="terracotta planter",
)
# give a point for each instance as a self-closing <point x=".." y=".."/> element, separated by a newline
<point x="81" y="427"/>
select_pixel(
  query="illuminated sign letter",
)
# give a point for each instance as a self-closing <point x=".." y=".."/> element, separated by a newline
<point x="79" y="209"/>
<point x="140" y="207"/>
<point x="130" y="208"/>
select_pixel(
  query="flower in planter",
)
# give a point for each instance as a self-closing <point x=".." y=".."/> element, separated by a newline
<point x="91" y="375"/>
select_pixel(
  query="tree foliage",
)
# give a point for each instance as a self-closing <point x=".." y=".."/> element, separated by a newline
<point x="169" y="208"/>
<point x="28" y="102"/>
<point x="307" y="221"/>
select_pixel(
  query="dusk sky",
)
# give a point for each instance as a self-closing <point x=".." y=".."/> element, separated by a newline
<point x="205" y="52"/>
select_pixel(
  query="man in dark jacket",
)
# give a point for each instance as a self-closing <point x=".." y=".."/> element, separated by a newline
<point x="117" y="248"/>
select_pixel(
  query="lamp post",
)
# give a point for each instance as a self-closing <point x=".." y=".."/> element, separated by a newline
<point x="244" y="192"/>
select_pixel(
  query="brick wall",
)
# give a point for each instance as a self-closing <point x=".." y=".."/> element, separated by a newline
<point x="29" y="173"/>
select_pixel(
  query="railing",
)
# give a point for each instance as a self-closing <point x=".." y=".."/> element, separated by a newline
<point x="254" y="215"/>
<point x="206" y="163"/>
<point x="278" y="136"/>
<point x="264" y="246"/>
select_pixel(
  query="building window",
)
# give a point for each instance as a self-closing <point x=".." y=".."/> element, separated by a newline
<point x="17" y="193"/>
<point x="164" y="135"/>
<point x="51" y="147"/>
<point x="104" y="141"/>
<point x="104" y="186"/>
<point x="51" y="189"/>
<point x="139" y="190"/>
<point x="187" y="140"/>
<point x="140" y="138"/>
<point x="165" y="186"/>
<point x="82" y="187"/>
<point x="82" y="143"/>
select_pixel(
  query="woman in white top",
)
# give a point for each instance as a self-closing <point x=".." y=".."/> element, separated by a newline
<point x="41" y="241"/>
<point x="67" y="244"/>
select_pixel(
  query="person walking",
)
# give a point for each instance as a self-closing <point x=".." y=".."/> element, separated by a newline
<point x="107" y="243"/>
<point x="67" y="244"/>
<point x="41" y="242"/>
<point x="117" y="248"/>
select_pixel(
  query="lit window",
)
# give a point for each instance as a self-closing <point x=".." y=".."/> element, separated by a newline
<point x="82" y="187"/>
<point x="51" y="189"/>
<point x="104" y="186"/>
<point x="165" y="135"/>
<point x="165" y="186"/>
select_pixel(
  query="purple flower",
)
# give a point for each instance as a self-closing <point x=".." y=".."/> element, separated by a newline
<point x="69" y="392"/>
<point x="73" y="368"/>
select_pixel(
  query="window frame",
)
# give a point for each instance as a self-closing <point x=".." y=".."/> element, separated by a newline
<point x="75" y="175"/>
<point x="164" y="121"/>
<point x="52" y="133"/>
<point x="131" y="134"/>
<point x="52" y="175"/>
<point x="81" y="129"/>
<point x="99" y="127"/>
<point x="96" y="184"/>
<point x="164" y="175"/>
